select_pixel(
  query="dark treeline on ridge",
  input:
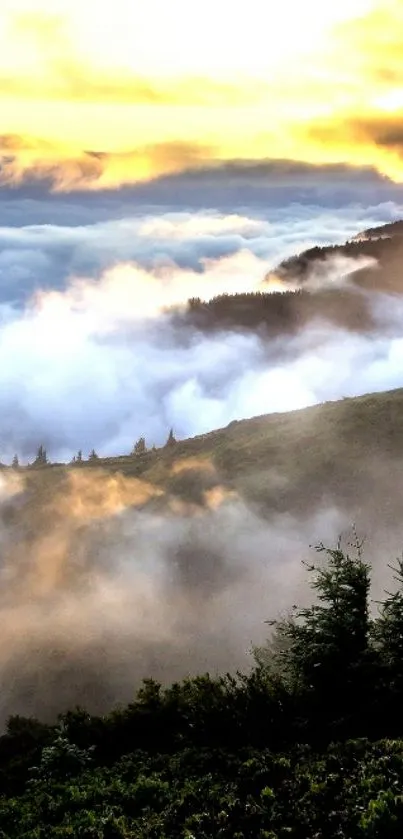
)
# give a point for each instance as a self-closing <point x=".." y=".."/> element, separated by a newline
<point x="383" y="246"/>
<point x="306" y="745"/>
<point x="278" y="313"/>
<point x="286" y="311"/>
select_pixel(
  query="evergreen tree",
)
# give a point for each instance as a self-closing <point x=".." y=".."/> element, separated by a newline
<point x="171" y="438"/>
<point x="41" y="456"/>
<point x="387" y="636"/>
<point x="93" y="455"/>
<point x="324" y="652"/>
<point x="15" y="464"/>
<point x="140" y="446"/>
<point x="79" y="457"/>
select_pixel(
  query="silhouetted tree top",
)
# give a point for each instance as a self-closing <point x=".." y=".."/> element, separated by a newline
<point x="93" y="455"/>
<point x="41" y="456"/>
<point x="140" y="446"/>
<point x="15" y="463"/>
<point x="171" y="438"/>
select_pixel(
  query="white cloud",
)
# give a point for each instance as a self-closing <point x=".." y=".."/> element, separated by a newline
<point x="95" y="365"/>
<point x="47" y="255"/>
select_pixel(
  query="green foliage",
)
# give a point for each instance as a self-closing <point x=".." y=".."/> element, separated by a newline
<point x="326" y="648"/>
<point x="61" y="759"/>
<point x="345" y="791"/>
<point x="300" y="747"/>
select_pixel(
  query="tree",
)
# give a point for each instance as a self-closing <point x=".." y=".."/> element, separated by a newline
<point x="61" y="759"/>
<point x="324" y="652"/>
<point x="93" y="455"/>
<point x="171" y="438"/>
<point x="15" y="464"/>
<point x="140" y="446"/>
<point x="41" y="456"/>
<point x="387" y="634"/>
<point x="79" y="457"/>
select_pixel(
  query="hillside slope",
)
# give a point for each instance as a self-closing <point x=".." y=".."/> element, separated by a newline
<point x="377" y="254"/>
<point x="329" y="453"/>
<point x="384" y="244"/>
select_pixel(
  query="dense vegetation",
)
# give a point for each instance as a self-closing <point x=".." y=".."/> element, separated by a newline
<point x="279" y="314"/>
<point x="305" y="745"/>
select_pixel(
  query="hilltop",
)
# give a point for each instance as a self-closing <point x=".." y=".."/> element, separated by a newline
<point x="291" y="462"/>
<point x="383" y="244"/>
<point x="378" y="254"/>
<point x="280" y="462"/>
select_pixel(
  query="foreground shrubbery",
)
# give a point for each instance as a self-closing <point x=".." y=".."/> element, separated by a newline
<point x="306" y="745"/>
<point x="349" y="791"/>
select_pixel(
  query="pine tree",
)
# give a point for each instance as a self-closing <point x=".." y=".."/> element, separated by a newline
<point x="79" y="457"/>
<point x="387" y="636"/>
<point x="93" y="455"/>
<point x="140" y="446"/>
<point x="324" y="652"/>
<point x="15" y="464"/>
<point x="41" y="456"/>
<point x="171" y="438"/>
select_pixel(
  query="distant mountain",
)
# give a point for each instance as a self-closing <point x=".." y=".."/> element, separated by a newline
<point x="384" y="244"/>
<point x="383" y="231"/>
<point x="312" y="289"/>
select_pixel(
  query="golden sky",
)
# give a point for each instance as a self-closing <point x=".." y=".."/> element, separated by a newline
<point x="99" y="94"/>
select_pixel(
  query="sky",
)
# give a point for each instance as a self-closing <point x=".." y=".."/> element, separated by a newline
<point x="99" y="95"/>
<point x="153" y="152"/>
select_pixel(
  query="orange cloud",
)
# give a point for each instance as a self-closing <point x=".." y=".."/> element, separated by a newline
<point x="33" y="158"/>
<point x="58" y="71"/>
<point x="125" y="100"/>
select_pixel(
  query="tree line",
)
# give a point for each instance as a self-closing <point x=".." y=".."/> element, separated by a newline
<point x="307" y="745"/>
<point x="139" y="448"/>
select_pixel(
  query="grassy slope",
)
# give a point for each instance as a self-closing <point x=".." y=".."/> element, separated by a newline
<point x="281" y="462"/>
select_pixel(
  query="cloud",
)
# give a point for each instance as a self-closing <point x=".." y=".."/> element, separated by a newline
<point x="332" y="272"/>
<point x="47" y="255"/>
<point x="380" y="132"/>
<point x="58" y="69"/>
<point x="98" y="365"/>
<point x="113" y="116"/>
<point x="371" y="45"/>
<point x="173" y="170"/>
<point x="86" y="358"/>
<point x="276" y="190"/>
<point x="30" y="158"/>
<point x="99" y="591"/>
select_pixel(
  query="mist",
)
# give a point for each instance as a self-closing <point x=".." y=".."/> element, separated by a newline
<point x="101" y="363"/>
<point x="107" y="579"/>
<point x="47" y="253"/>
<point x="99" y="591"/>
